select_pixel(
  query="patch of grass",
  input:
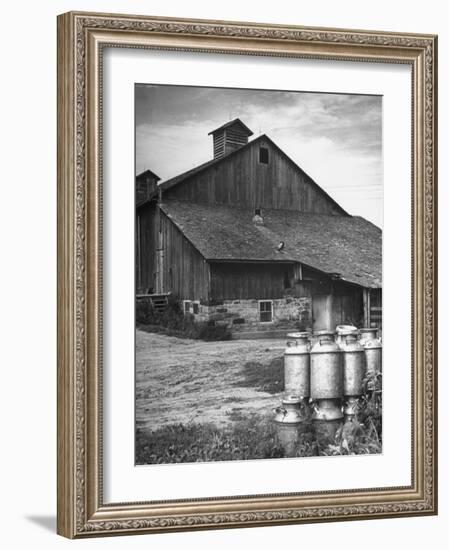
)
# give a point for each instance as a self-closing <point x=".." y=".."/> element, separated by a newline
<point x="354" y="438"/>
<point x="362" y="435"/>
<point x="236" y="414"/>
<point x="251" y="438"/>
<point x="158" y="329"/>
<point x="173" y="322"/>
<point x="195" y="331"/>
<point x="267" y="377"/>
<point x="177" y="443"/>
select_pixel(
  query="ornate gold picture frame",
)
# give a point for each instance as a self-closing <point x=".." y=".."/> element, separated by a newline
<point x="82" y="40"/>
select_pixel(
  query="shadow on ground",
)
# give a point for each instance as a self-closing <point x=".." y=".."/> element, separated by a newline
<point x="46" y="522"/>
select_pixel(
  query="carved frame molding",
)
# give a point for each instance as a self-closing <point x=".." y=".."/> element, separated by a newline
<point x="81" y="38"/>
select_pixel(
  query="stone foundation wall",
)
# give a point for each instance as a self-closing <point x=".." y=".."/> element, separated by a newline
<point x="243" y="315"/>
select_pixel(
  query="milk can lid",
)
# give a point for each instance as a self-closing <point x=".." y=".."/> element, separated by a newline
<point x="298" y="334"/>
<point x="324" y="333"/>
<point x="291" y="400"/>
<point x="345" y="329"/>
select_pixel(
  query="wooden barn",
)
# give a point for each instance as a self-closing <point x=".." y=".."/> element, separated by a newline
<point x="250" y="240"/>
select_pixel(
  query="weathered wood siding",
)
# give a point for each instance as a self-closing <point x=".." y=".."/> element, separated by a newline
<point x="246" y="281"/>
<point x="185" y="271"/>
<point x="167" y="262"/>
<point x="347" y="307"/>
<point x="241" y="180"/>
<point x="146" y="223"/>
<point x="340" y="304"/>
<point x="263" y="280"/>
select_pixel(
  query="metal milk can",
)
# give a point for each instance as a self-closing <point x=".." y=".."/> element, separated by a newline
<point x="297" y="365"/>
<point x="370" y="333"/>
<point x="327" y="429"/>
<point x="327" y="409"/>
<point x="373" y="354"/>
<point x="343" y="330"/>
<point x="326" y="377"/>
<point x="289" y="419"/>
<point x="290" y="411"/>
<point x="354" y="369"/>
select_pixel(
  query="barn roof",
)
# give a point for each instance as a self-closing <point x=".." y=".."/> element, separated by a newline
<point x="168" y="184"/>
<point x="347" y="247"/>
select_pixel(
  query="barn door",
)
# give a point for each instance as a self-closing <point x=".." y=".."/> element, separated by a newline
<point x="322" y="312"/>
<point x="330" y="310"/>
<point x="342" y="311"/>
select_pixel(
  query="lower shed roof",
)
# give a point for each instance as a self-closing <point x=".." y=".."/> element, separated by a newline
<point x="348" y="247"/>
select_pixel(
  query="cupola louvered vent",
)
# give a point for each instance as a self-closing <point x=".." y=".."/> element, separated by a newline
<point x="229" y="137"/>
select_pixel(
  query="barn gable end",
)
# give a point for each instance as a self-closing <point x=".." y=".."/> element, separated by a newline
<point x="258" y="175"/>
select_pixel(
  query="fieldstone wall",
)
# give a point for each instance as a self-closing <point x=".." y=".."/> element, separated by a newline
<point x="243" y="315"/>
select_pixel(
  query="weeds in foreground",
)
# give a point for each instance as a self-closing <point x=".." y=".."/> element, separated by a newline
<point x="206" y="442"/>
<point x="363" y="434"/>
<point x="257" y="438"/>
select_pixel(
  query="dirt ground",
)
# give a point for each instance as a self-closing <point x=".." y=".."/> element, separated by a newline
<point x="181" y="380"/>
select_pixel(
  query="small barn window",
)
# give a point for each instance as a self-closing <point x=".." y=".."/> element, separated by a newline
<point x="187" y="306"/>
<point x="266" y="311"/>
<point x="263" y="155"/>
<point x="196" y="308"/>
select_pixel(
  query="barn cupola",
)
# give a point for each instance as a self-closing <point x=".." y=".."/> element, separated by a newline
<point x="229" y="137"/>
<point x="146" y="186"/>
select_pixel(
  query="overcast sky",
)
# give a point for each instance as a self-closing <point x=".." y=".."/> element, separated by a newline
<point x="335" y="138"/>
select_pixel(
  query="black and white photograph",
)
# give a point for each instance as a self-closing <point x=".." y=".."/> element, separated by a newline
<point x="258" y="274"/>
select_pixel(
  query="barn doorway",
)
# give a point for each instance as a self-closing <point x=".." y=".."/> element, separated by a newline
<point x="331" y="310"/>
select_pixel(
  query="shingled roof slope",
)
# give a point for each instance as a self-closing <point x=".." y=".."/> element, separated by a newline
<point x="347" y="246"/>
<point x="167" y="184"/>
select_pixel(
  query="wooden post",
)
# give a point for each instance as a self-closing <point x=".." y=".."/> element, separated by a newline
<point x="366" y="307"/>
<point x="160" y="258"/>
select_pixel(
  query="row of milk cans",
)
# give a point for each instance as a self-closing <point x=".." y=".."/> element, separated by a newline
<point x="327" y="373"/>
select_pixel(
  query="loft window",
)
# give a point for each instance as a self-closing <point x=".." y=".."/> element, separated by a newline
<point x="266" y="311"/>
<point x="263" y="155"/>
